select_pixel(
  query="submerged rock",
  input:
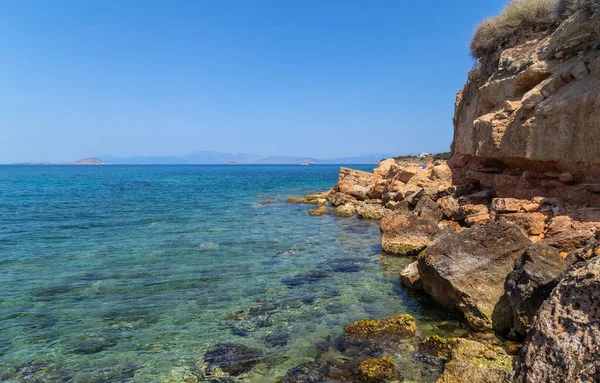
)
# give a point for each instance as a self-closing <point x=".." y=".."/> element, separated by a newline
<point x="467" y="271"/>
<point x="564" y="343"/>
<point x="304" y="278"/>
<point x="473" y="362"/>
<point x="232" y="358"/>
<point x="400" y="326"/>
<point x="377" y="370"/>
<point x="407" y="234"/>
<point x="321" y="210"/>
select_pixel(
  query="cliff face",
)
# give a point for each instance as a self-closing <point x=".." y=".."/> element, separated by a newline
<point x="527" y="123"/>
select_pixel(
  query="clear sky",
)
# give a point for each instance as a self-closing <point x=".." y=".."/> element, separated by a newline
<point x="320" y="78"/>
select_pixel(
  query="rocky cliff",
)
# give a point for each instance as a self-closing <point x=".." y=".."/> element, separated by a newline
<point x="527" y="123"/>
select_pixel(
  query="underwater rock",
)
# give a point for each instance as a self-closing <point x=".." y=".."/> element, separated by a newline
<point x="304" y="278"/>
<point x="321" y="371"/>
<point x="345" y="265"/>
<point x="321" y="210"/>
<point x="232" y="358"/>
<point x="475" y="362"/>
<point x="377" y="370"/>
<point x="400" y="326"/>
<point x="277" y="339"/>
<point x="37" y="371"/>
<point x="439" y="347"/>
<point x="91" y="344"/>
<point x="116" y="373"/>
<point x="250" y="319"/>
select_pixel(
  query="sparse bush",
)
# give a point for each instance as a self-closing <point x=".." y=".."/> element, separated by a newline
<point x="518" y="22"/>
<point x="443" y="156"/>
<point x="566" y="8"/>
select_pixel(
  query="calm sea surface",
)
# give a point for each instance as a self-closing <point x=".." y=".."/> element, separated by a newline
<point x="129" y="273"/>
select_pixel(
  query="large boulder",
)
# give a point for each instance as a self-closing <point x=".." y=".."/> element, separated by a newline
<point x="467" y="271"/>
<point x="564" y="343"/>
<point x="536" y="273"/>
<point x="473" y="362"/>
<point x="427" y="208"/>
<point x="407" y="234"/>
<point x="355" y="183"/>
<point x="532" y="224"/>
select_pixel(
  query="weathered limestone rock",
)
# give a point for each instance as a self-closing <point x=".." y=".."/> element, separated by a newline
<point x="467" y="271"/>
<point x="479" y="198"/>
<point x="380" y="177"/>
<point x="476" y="214"/>
<point x="536" y="273"/>
<point x="564" y="343"/>
<point x="302" y="200"/>
<point x="427" y="208"/>
<point x="339" y="199"/>
<point x="400" y="326"/>
<point x="355" y="183"/>
<point x="321" y="210"/>
<point x="407" y="234"/>
<point x="346" y="210"/>
<point x="410" y="276"/>
<point x="372" y="211"/>
<point x="377" y="370"/>
<point x="513" y="205"/>
<point x="532" y="224"/>
<point x="451" y="226"/>
<point x="451" y="208"/>
<point x="572" y="231"/>
<point x="524" y="109"/>
<point x="473" y="362"/>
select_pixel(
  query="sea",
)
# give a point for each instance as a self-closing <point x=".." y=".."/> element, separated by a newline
<point x="131" y="273"/>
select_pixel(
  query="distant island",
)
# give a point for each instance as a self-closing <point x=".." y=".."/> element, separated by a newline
<point x="90" y="161"/>
<point x="215" y="158"/>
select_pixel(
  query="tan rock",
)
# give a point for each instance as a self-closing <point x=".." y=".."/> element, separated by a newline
<point x="478" y="219"/>
<point x="451" y="226"/>
<point x="513" y="205"/>
<point x="355" y="182"/>
<point x="372" y="211"/>
<point x="407" y="234"/>
<point x="410" y="276"/>
<point x="347" y="210"/>
<point x="321" y="210"/>
<point x="532" y="224"/>
<point x="450" y="207"/>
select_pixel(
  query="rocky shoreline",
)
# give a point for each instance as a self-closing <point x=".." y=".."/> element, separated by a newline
<point x="495" y="260"/>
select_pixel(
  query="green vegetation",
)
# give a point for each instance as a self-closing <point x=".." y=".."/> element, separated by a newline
<point x="518" y="22"/>
<point x="443" y="156"/>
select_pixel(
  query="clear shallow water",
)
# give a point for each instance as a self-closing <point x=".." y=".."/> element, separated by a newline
<point x="129" y="273"/>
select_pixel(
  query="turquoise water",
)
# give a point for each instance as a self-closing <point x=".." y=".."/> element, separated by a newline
<point x="129" y="273"/>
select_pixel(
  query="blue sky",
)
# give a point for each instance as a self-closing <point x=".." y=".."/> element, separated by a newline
<point x="274" y="77"/>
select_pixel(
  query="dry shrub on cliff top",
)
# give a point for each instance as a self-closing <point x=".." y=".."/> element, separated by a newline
<point x="518" y="22"/>
<point x="566" y="8"/>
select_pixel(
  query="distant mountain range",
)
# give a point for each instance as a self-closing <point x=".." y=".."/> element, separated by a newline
<point x="211" y="157"/>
